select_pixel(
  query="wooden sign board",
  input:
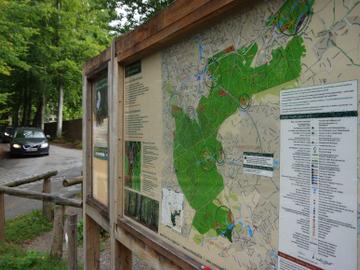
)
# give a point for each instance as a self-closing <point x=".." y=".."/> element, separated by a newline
<point x="224" y="136"/>
<point x="100" y="136"/>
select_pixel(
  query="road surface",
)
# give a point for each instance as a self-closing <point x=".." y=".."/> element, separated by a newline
<point x="68" y="163"/>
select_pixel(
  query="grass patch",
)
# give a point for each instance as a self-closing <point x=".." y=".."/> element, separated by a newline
<point x="26" y="227"/>
<point x="19" y="230"/>
<point x="14" y="258"/>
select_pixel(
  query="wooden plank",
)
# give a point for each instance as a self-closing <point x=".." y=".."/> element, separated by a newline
<point x="162" y="30"/>
<point x="86" y="136"/>
<point x="114" y="256"/>
<point x="100" y="208"/>
<point x="73" y="181"/>
<point x="175" y="12"/>
<point x="40" y="196"/>
<point x="2" y="217"/>
<point x="95" y="64"/>
<point x="156" y="243"/>
<point x="58" y="232"/>
<point x="31" y="179"/>
<point x="47" y="206"/>
<point x="124" y="259"/>
<point x="99" y="219"/>
<point x="92" y="244"/>
<point x="121" y="140"/>
<point x="153" y="259"/>
<point x="72" y="244"/>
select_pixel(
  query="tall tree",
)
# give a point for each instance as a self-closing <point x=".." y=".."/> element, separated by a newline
<point x="14" y="34"/>
<point x="44" y="44"/>
<point x="81" y="32"/>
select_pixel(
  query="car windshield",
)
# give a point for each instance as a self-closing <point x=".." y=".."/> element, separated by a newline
<point x="30" y="134"/>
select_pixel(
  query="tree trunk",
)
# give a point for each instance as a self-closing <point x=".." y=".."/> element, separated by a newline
<point x="38" y="120"/>
<point x="28" y="108"/>
<point x="24" y="110"/>
<point x="60" y="111"/>
<point x="15" y="115"/>
<point x="42" y="117"/>
<point x="26" y="115"/>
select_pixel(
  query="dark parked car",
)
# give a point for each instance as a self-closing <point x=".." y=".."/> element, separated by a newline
<point x="29" y="141"/>
<point x="8" y="134"/>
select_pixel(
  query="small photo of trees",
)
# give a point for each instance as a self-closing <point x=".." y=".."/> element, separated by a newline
<point x="133" y="165"/>
<point x="143" y="209"/>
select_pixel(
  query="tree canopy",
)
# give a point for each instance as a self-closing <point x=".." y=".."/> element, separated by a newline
<point x="44" y="45"/>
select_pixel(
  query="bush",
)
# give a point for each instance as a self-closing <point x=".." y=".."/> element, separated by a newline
<point x="26" y="227"/>
<point x="14" y="258"/>
<point x="80" y="236"/>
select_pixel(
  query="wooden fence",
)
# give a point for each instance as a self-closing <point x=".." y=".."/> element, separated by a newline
<point x="57" y="214"/>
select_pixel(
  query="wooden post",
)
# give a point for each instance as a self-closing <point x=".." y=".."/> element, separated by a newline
<point x="47" y="205"/>
<point x="2" y="217"/>
<point x="72" y="246"/>
<point x="124" y="260"/>
<point x="92" y="244"/>
<point x="58" y="232"/>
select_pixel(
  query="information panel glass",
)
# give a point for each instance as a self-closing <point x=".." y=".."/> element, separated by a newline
<point x="241" y="140"/>
<point x="100" y="140"/>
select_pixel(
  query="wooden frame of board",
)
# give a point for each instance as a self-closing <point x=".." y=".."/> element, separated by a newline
<point x="183" y="17"/>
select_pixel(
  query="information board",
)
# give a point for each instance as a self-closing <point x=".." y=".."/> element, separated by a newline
<point x="143" y="145"/>
<point x="318" y="181"/>
<point x="202" y="135"/>
<point x="100" y="141"/>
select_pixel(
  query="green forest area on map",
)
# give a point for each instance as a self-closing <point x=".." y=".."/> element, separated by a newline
<point x="132" y="165"/>
<point x="196" y="148"/>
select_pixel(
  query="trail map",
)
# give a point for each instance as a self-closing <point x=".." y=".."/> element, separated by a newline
<point x="220" y="99"/>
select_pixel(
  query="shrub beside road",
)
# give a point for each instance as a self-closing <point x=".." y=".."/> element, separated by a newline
<point x="20" y="230"/>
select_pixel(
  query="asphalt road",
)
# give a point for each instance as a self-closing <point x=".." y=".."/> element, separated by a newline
<point x="68" y="163"/>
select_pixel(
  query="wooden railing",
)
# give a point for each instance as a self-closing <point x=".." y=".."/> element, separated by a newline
<point x="48" y="200"/>
<point x="46" y="188"/>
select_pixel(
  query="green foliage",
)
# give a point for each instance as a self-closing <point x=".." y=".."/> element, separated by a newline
<point x="14" y="258"/>
<point x="14" y="34"/>
<point x="26" y="227"/>
<point x="3" y="107"/>
<point x="80" y="233"/>
<point x="18" y="230"/>
<point x="135" y="12"/>
<point x="45" y="43"/>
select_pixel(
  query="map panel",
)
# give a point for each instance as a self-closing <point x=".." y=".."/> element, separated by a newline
<point x="220" y="101"/>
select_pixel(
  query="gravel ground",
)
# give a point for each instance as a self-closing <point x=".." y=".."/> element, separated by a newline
<point x="43" y="244"/>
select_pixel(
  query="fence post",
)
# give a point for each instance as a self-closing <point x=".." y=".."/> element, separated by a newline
<point x="72" y="245"/>
<point x="58" y="232"/>
<point x="2" y="216"/>
<point x="91" y="244"/>
<point x="47" y="205"/>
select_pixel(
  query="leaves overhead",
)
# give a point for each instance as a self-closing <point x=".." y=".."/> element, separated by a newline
<point x="44" y="43"/>
<point x="135" y="12"/>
